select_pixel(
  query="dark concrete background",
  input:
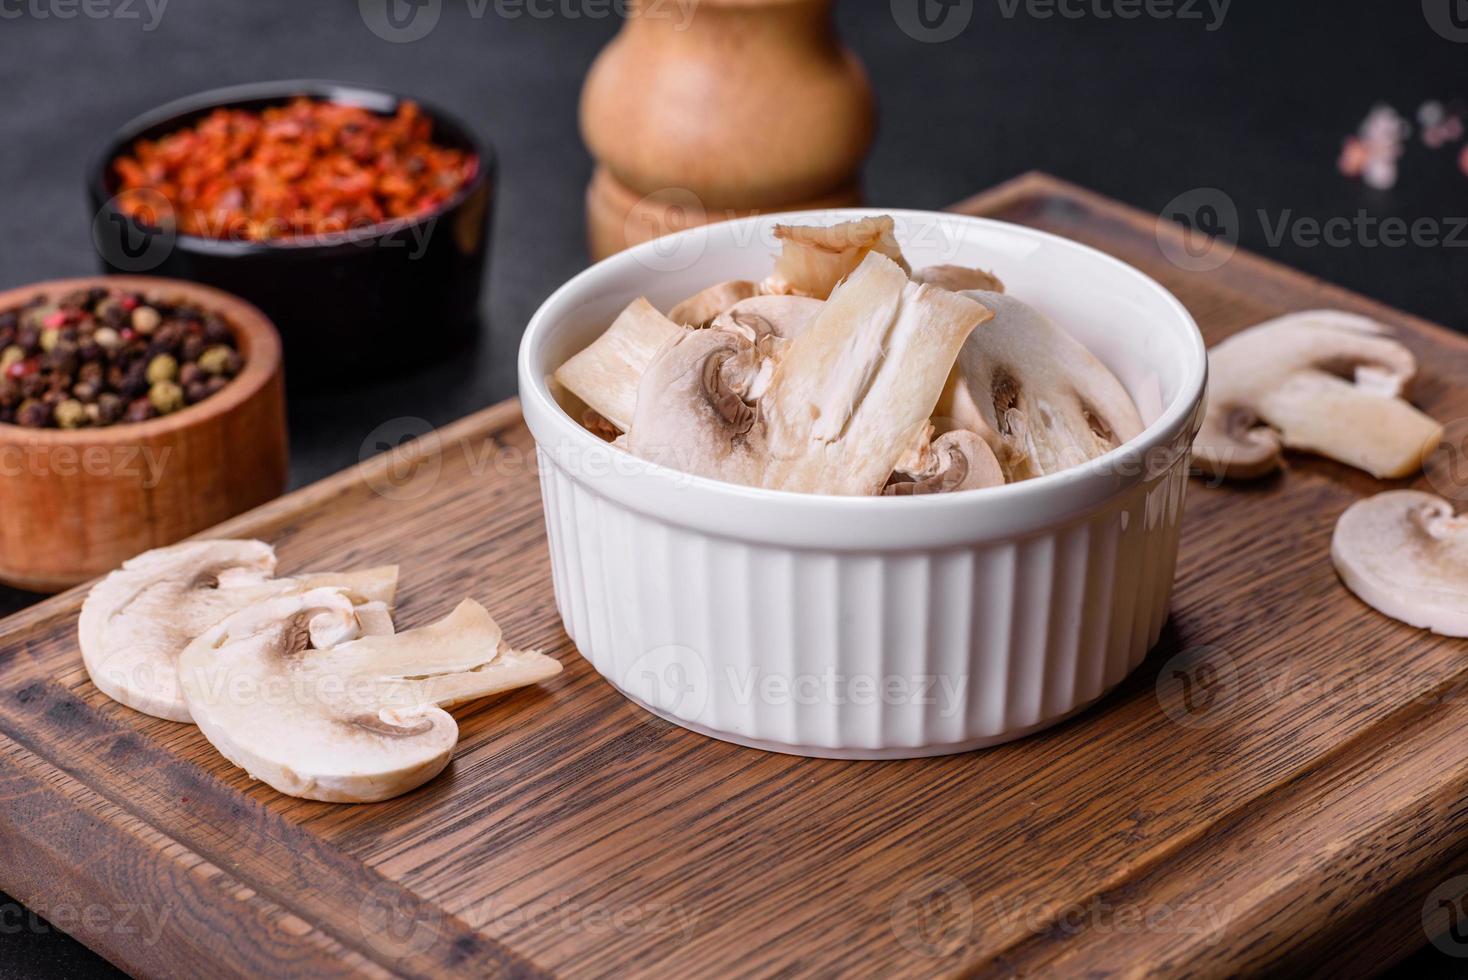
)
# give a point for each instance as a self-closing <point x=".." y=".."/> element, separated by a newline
<point x="1142" y="110"/>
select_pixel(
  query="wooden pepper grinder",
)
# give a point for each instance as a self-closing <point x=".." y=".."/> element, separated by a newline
<point x="705" y="110"/>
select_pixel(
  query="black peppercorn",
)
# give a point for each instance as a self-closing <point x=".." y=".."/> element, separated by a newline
<point x="100" y="356"/>
<point x="62" y="358"/>
<point x="109" y="408"/>
<point x="33" y="415"/>
<point x="216" y="331"/>
<point x="140" y="410"/>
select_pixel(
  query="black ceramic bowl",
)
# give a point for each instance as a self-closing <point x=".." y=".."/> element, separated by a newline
<point x="355" y="305"/>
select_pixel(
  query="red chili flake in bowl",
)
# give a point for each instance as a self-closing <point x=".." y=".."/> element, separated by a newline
<point x="304" y="169"/>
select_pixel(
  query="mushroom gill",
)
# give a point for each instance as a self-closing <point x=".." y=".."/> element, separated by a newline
<point x="352" y="721"/>
<point x="1042" y="401"/>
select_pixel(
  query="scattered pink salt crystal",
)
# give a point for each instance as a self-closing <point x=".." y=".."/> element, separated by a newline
<point x="1439" y="127"/>
<point x="1373" y="152"/>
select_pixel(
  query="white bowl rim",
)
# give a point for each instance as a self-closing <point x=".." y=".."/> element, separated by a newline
<point x="1183" y="409"/>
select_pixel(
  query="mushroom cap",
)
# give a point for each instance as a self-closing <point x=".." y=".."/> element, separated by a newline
<point x="1405" y="554"/>
<point x="1325" y="381"/>
<point x="781" y="316"/>
<point x="691" y="412"/>
<point x="138" y="619"/>
<point x="1042" y="401"/>
<point x="354" y="722"/>
<point x="958" y="278"/>
<point x="698" y="309"/>
<point x="957" y="460"/>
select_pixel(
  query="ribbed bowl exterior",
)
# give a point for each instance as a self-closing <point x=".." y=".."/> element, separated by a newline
<point x="863" y="654"/>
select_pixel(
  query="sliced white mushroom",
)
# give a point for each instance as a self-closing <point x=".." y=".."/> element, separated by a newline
<point x="1323" y="381"/>
<point x="956" y="460"/>
<point x="813" y="259"/>
<point x="1405" y="554"/>
<point x="694" y="408"/>
<point x="136" y="621"/>
<point x="700" y="308"/>
<point x="780" y="316"/>
<point x="606" y="374"/>
<point x="1042" y="401"/>
<point x="959" y="278"/>
<point x="855" y="390"/>
<point x="356" y="722"/>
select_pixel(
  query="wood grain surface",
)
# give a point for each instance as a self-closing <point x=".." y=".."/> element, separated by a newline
<point x="1280" y="787"/>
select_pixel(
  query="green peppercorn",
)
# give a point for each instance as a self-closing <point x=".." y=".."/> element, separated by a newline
<point x="11" y="355"/>
<point x="49" y="339"/>
<point x="165" y="396"/>
<point x="107" y="338"/>
<point x="217" y="360"/>
<point x="70" y="414"/>
<point x="162" y="368"/>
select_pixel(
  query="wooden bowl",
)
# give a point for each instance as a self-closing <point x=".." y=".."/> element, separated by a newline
<point x="77" y="503"/>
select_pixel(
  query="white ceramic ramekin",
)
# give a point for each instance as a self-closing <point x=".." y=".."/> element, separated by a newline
<point x="856" y="627"/>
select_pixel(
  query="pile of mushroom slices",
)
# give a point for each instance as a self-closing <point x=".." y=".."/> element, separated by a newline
<point x="846" y="373"/>
<point x="1335" y="384"/>
<point x="302" y="682"/>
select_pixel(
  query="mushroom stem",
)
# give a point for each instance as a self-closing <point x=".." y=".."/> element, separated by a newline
<point x="354" y="722"/>
<point x="855" y="390"/>
<point x="1324" y="381"/>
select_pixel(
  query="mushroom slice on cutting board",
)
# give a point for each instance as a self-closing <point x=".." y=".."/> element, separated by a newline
<point x="813" y="259"/>
<point x="855" y="390"/>
<point x="959" y="278"/>
<point x="1042" y="401"/>
<point x="136" y="621"/>
<point x="700" y="308"/>
<point x="1324" y="381"/>
<point x="956" y="460"/>
<point x="1405" y="554"/>
<point x="606" y="374"/>
<point x="355" y="722"/>
<point x="780" y="316"/>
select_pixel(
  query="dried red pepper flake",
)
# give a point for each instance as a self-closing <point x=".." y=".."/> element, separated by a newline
<point x="306" y="168"/>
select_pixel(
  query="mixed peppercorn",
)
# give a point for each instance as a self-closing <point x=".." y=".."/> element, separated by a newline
<point x="306" y="168"/>
<point x="101" y="356"/>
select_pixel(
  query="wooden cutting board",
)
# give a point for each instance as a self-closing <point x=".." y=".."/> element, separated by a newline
<point x="1295" y="807"/>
